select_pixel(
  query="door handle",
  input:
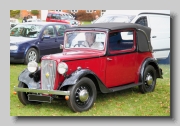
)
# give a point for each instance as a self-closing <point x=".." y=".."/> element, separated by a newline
<point x="109" y="59"/>
<point x="153" y="36"/>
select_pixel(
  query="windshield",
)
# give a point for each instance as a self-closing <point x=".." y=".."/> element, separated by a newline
<point x="115" y="18"/>
<point x="26" y="30"/>
<point x="85" y="39"/>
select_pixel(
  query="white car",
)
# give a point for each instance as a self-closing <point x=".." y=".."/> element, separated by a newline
<point x="34" y="20"/>
<point x="13" y="22"/>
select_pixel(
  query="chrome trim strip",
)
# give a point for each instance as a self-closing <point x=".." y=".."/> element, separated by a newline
<point x="42" y="91"/>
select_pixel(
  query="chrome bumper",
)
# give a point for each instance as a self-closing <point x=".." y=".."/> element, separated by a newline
<point x="41" y="91"/>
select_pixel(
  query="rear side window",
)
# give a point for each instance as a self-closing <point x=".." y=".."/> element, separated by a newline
<point x="142" y="21"/>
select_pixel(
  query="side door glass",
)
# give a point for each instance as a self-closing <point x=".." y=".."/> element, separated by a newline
<point x="60" y="30"/>
<point x="142" y="21"/>
<point x="49" y="32"/>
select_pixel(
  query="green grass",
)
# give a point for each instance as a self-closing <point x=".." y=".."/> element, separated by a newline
<point x="128" y="102"/>
<point x="85" y="22"/>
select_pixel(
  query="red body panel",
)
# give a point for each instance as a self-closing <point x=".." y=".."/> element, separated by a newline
<point x="122" y="69"/>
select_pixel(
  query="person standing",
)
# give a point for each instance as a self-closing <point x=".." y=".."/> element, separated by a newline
<point x="24" y="20"/>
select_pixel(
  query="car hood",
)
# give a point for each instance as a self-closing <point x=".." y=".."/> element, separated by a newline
<point x="73" y="55"/>
<point x="18" y="40"/>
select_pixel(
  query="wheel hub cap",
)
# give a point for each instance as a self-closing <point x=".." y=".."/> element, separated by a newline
<point x="83" y="95"/>
<point x="32" y="56"/>
<point x="149" y="79"/>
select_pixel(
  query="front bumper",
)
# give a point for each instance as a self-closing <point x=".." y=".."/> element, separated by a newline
<point x="16" y="57"/>
<point x="56" y="92"/>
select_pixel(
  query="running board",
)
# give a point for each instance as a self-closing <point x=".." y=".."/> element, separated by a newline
<point x="124" y="87"/>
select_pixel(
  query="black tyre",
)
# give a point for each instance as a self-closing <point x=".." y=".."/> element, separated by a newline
<point x="149" y="80"/>
<point x="31" y="55"/>
<point x="82" y="95"/>
<point x="23" y="96"/>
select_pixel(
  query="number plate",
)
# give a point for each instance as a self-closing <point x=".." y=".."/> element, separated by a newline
<point x="39" y="98"/>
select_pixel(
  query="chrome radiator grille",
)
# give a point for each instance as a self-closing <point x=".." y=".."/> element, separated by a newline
<point x="48" y="74"/>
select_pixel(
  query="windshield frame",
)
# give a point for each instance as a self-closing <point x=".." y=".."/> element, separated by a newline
<point x="84" y="48"/>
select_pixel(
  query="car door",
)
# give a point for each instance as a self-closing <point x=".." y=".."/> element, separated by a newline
<point x="49" y="43"/>
<point x="121" y="58"/>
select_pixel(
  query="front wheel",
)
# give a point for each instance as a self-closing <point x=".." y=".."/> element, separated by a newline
<point x="31" y="55"/>
<point x="149" y="80"/>
<point x="82" y="95"/>
<point x="23" y="96"/>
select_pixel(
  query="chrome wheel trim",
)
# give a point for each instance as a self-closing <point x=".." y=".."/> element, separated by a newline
<point x="149" y="79"/>
<point x="32" y="56"/>
<point x="83" y="95"/>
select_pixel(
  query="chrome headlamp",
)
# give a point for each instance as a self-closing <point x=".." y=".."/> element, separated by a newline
<point x="62" y="68"/>
<point x="32" y="66"/>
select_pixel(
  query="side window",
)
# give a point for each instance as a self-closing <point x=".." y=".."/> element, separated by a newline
<point x="121" y="41"/>
<point x="49" y="30"/>
<point x="49" y="15"/>
<point x="53" y="16"/>
<point x="142" y="21"/>
<point x="58" y="16"/>
<point x="60" y="29"/>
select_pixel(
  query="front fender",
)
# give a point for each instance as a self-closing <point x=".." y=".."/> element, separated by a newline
<point x="75" y="76"/>
<point x="32" y="80"/>
<point x="78" y="74"/>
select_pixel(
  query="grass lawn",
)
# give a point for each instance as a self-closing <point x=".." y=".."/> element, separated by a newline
<point x="128" y="102"/>
<point x="85" y="22"/>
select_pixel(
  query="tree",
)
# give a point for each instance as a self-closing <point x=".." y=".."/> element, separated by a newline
<point x="35" y="12"/>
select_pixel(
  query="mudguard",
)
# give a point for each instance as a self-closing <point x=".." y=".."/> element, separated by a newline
<point x="78" y="74"/>
<point x="153" y="62"/>
<point x="32" y="80"/>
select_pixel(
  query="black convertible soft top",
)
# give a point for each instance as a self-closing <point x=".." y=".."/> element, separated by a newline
<point x="143" y="32"/>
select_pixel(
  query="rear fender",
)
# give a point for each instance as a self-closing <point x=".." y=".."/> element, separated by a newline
<point x="153" y="62"/>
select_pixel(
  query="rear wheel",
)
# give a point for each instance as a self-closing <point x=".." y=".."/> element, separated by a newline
<point x="82" y="95"/>
<point x="23" y="96"/>
<point x="149" y="80"/>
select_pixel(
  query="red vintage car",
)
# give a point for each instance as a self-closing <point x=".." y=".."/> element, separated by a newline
<point x="102" y="57"/>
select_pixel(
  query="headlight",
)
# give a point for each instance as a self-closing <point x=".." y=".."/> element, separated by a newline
<point x="32" y="66"/>
<point x="62" y="68"/>
<point x="14" y="47"/>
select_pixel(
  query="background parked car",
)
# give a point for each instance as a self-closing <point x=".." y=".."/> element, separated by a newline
<point x="31" y="40"/>
<point x="13" y="22"/>
<point x="64" y="17"/>
<point x="34" y="20"/>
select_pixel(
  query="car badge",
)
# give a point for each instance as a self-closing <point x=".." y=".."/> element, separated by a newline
<point x="47" y="75"/>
